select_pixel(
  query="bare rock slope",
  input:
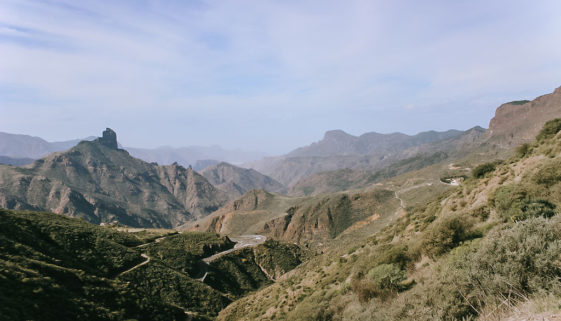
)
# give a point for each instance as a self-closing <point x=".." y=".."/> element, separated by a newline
<point x="101" y="183"/>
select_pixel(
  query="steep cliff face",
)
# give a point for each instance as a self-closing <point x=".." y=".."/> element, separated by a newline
<point x="520" y="121"/>
<point x="101" y="183"/>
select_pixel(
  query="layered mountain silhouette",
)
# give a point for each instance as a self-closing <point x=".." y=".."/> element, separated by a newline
<point x="237" y="181"/>
<point x="102" y="183"/>
<point x="199" y="157"/>
<point x="29" y="147"/>
<point x="337" y="142"/>
<point x="18" y="149"/>
<point x="339" y="150"/>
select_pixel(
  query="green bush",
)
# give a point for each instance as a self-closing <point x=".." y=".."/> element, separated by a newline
<point x="511" y="263"/>
<point x="446" y="234"/>
<point x="513" y="203"/>
<point x="387" y="277"/>
<point x="523" y="150"/>
<point x="483" y="169"/>
<point x="398" y="254"/>
<point x="550" y="129"/>
<point x="548" y="174"/>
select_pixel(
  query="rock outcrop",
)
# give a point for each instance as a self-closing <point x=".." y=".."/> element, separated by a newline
<point x="519" y="122"/>
<point x="109" y="139"/>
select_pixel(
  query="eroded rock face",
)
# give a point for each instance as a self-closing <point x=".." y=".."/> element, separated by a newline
<point x="109" y="138"/>
<point x="520" y="121"/>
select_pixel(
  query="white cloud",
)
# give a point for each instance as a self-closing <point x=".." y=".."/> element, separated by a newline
<point x="276" y="66"/>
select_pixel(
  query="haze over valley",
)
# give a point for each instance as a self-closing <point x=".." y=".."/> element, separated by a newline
<point x="311" y="160"/>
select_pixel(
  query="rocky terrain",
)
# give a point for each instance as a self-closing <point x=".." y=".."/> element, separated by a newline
<point x="519" y="122"/>
<point x="311" y="222"/>
<point x="101" y="183"/>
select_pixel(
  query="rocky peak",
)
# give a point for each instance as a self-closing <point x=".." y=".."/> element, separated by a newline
<point x="337" y="134"/>
<point x="109" y="138"/>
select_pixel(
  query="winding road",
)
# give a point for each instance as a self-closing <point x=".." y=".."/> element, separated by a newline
<point x="242" y="241"/>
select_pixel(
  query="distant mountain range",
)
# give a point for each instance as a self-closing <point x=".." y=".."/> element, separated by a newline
<point x="30" y="147"/>
<point x="198" y="157"/>
<point x="18" y="149"/>
<point x="237" y="181"/>
<point x="337" y="142"/>
<point x="339" y="150"/>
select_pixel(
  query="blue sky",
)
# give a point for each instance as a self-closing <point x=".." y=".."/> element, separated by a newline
<point x="268" y="75"/>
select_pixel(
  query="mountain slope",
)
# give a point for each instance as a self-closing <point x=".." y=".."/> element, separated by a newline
<point x="309" y="221"/>
<point x="487" y="249"/>
<point x="101" y="183"/>
<point x="236" y="181"/>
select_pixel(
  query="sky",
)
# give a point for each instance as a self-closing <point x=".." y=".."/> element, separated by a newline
<point x="268" y="75"/>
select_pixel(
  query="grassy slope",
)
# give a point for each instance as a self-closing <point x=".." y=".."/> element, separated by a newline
<point x="476" y="250"/>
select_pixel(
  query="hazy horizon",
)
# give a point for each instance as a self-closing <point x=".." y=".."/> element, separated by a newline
<point x="268" y="76"/>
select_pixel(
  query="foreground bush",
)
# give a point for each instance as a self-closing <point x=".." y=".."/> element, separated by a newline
<point x="483" y="169"/>
<point x="514" y="204"/>
<point x="446" y="234"/>
<point x="550" y="129"/>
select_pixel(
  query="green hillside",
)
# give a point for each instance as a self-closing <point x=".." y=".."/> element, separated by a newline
<point x="59" y="268"/>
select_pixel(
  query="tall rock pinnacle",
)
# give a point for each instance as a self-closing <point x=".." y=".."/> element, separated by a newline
<point x="109" y="138"/>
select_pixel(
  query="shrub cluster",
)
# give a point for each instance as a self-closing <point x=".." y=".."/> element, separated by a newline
<point x="483" y="169"/>
<point x="513" y="203"/>
<point x="550" y="129"/>
<point x="446" y="234"/>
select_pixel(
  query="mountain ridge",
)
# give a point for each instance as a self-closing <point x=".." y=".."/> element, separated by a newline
<point x="102" y="183"/>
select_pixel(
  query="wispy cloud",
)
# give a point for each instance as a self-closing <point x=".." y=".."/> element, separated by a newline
<point x="268" y="74"/>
